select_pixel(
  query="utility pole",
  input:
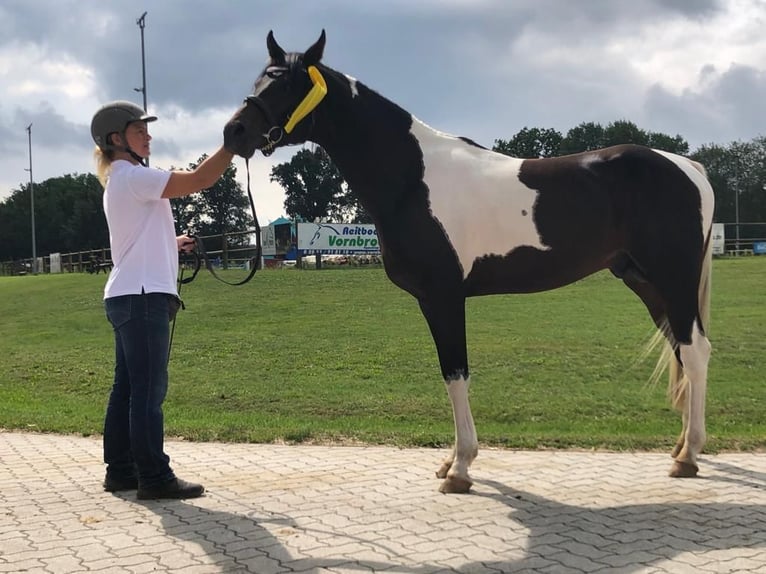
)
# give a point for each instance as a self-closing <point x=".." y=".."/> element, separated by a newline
<point x="142" y="24"/>
<point x="736" y="217"/>
<point x="32" y="199"/>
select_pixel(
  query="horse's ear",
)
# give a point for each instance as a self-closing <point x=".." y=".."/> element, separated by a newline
<point x="312" y="56"/>
<point x="276" y="53"/>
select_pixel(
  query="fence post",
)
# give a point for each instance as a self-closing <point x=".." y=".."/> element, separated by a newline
<point x="225" y="251"/>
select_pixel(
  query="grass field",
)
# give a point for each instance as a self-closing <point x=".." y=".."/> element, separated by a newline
<point x="343" y="355"/>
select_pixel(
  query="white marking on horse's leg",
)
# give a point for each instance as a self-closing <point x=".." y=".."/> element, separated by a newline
<point x="695" y="359"/>
<point x="682" y="437"/>
<point x="446" y="464"/>
<point x="466" y="442"/>
<point x="678" y="394"/>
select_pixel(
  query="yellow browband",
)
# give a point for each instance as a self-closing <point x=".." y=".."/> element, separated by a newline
<point x="311" y="100"/>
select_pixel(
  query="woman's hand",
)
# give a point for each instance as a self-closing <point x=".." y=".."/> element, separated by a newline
<point x="185" y="243"/>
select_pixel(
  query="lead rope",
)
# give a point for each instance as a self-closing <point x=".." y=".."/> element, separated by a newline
<point x="175" y="315"/>
<point x="255" y="261"/>
<point x="200" y="250"/>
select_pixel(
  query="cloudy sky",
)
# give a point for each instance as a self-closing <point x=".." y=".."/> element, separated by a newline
<point x="478" y="68"/>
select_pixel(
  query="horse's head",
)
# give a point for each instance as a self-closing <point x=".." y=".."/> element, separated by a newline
<point x="288" y="89"/>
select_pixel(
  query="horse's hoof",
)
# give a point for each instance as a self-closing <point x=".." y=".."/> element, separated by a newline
<point x="455" y="485"/>
<point x="444" y="469"/>
<point x="683" y="470"/>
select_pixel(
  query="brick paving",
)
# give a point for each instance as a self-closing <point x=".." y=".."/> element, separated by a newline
<point x="271" y="509"/>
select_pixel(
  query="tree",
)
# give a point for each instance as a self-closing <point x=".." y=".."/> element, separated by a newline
<point x="750" y="178"/>
<point x="315" y="189"/>
<point x="222" y="208"/>
<point x="589" y="136"/>
<point x="585" y="137"/>
<point x="185" y="213"/>
<point x="738" y="175"/>
<point x="673" y="144"/>
<point x="531" y="143"/>
<point x="68" y="217"/>
<point x="717" y="162"/>
<point x="624" y="132"/>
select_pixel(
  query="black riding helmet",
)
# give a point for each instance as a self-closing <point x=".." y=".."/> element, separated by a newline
<point x="115" y="117"/>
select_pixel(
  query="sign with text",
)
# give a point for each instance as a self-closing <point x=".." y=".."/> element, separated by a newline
<point x="719" y="239"/>
<point x="268" y="243"/>
<point x="337" y="238"/>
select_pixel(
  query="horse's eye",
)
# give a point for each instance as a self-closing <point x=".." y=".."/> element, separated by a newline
<point x="274" y="72"/>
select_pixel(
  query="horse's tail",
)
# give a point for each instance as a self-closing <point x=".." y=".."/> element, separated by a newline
<point x="677" y="382"/>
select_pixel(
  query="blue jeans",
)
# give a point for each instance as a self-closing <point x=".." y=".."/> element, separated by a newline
<point x="134" y="427"/>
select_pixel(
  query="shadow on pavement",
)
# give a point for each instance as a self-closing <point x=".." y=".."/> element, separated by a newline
<point x="627" y="538"/>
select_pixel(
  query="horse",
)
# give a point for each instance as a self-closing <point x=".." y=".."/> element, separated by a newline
<point x="486" y="223"/>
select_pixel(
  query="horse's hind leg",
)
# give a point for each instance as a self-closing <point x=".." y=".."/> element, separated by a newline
<point x="688" y="368"/>
<point x="446" y="319"/>
<point x="694" y="358"/>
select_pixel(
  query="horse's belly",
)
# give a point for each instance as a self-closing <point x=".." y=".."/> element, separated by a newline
<point x="529" y="271"/>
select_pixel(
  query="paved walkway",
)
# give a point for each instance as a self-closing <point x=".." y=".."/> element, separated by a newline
<point x="314" y="509"/>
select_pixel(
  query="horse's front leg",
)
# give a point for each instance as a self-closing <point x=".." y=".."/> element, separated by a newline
<point x="446" y="319"/>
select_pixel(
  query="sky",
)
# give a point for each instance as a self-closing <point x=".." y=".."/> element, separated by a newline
<point x="483" y="69"/>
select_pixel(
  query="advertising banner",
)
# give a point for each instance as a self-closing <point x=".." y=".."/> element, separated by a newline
<point x="337" y="238"/>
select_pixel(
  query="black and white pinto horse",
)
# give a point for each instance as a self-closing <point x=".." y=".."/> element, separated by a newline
<point x="490" y="224"/>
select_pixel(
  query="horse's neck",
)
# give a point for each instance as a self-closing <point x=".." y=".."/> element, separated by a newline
<point x="369" y="139"/>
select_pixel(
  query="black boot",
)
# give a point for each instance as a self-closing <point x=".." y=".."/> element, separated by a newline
<point x="175" y="488"/>
<point x="115" y="484"/>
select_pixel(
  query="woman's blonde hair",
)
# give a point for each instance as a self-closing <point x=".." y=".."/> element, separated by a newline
<point x="103" y="164"/>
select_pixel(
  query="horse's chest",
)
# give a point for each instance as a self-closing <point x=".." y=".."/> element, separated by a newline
<point x="479" y="201"/>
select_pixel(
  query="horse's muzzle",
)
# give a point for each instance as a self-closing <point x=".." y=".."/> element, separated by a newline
<point x="236" y="141"/>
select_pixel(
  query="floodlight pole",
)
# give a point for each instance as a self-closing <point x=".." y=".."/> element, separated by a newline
<point x="142" y="24"/>
<point x="32" y="201"/>
<point x="736" y="217"/>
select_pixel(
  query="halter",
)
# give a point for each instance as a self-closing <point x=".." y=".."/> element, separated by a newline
<point x="307" y="105"/>
<point x="274" y="136"/>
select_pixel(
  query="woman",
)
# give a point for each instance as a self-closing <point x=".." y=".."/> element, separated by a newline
<point x="140" y="296"/>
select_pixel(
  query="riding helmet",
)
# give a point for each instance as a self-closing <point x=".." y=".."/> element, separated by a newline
<point x="115" y="117"/>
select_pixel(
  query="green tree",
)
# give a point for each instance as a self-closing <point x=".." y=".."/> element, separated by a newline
<point x="750" y="177"/>
<point x="531" y="143"/>
<point x="585" y="137"/>
<point x="315" y="190"/>
<point x="674" y="144"/>
<point x="186" y="213"/>
<point x="68" y="217"/>
<point x="222" y="208"/>
<point x="624" y="132"/>
<point x="738" y="175"/>
<point x="590" y="136"/>
<point x="717" y="161"/>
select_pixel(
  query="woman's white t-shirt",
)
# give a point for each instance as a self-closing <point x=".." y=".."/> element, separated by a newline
<point x="141" y="231"/>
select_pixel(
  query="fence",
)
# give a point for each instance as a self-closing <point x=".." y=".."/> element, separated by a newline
<point x="744" y="238"/>
<point x="228" y="250"/>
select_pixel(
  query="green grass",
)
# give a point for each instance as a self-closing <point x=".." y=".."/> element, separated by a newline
<point x="343" y="355"/>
